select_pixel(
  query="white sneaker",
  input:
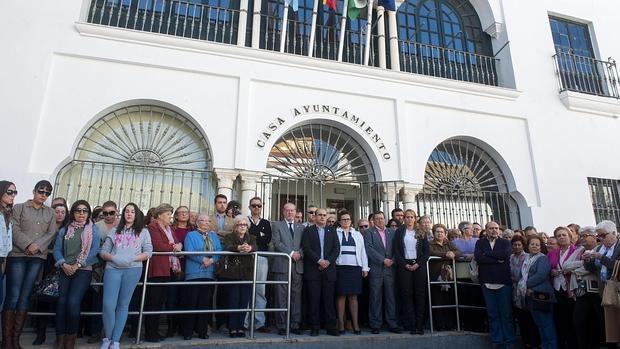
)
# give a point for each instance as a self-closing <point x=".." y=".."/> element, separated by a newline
<point x="115" y="345"/>
<point x="105" y="344"/>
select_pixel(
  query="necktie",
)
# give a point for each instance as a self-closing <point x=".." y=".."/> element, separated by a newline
<point x="290" y="229"/>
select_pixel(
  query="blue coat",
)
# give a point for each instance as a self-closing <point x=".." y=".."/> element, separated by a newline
<point x="538" y="277"/>
<point x="92" y="254"/>
<point x="194" y="269"/>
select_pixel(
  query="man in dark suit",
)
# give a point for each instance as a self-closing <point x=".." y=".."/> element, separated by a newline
<point x="378" y="241"/>
<point x="321" y="248"/>
<point x="286" y="238"/>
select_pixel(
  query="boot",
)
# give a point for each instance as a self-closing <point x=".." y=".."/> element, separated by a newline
<point x="60" y="341"/>
<point x="40" y="328"/>
<point x="8" y="318"/>
<point x="20" y="320"/>
<point x="70" y="341"/>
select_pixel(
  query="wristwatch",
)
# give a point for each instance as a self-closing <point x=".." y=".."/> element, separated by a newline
<point x="79" y="265"/>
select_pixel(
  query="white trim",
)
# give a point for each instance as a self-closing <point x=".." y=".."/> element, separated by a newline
<point x="583" y="102"/>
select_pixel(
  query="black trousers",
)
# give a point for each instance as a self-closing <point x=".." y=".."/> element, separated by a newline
<point x="412" y="294"/>
<point x="155" y="300"/>
<point x="563" y="317"/>
<point x="589" y="321"/>
<point x="443" y="319"/>
<point x="321" y="289"/>
<point x="197" y="297"/>
<point x="529" y="331"/>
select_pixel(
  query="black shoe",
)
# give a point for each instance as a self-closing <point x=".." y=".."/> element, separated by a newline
<point x="203" y="336"/>
<point x="232" y="334"/>
<point x="357" y="332"/>
<point x="314" y="333"/>
<point x="396" y="330"/>
<point x="282" y="332"/>
<point x="240" y="334"/>
<point x="342" y="332"/>
<point x="94" y="339"/>
<point x="333" y="332"/>
<point x="419" y="331"/>
<point x="296" y="331"/>
<point x="154" y="339"/>
<point x="39" y="340"/>
<point x="187" y="338"/>
<point x="374" y="331"/>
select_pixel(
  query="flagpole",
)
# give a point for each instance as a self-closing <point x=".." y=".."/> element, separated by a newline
<point x="313" y="28"/>
<point x="368" y="29"/>
<point x="284" y="27"/>
<point x="343" y="29"/>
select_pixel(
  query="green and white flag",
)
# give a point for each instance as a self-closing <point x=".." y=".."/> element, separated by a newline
<point x="355" y="6"/>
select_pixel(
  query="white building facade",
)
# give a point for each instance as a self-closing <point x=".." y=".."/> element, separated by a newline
<point x="466" y="110"/>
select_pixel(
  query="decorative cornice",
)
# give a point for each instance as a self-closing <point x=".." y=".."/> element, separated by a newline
<point x="583" y="102"/>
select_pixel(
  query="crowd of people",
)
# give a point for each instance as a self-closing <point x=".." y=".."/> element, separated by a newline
<point x="343" y="275"/>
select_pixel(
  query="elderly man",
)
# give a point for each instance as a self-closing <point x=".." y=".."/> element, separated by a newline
<point x="286" y="238"/>
<point x="493" y="257"/>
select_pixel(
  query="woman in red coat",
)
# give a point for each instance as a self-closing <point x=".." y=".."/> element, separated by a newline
<point x="161" y="268"/>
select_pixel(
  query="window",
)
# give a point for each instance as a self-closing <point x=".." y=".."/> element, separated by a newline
<point x="605" y="198"/>
<point x="571" y="37"/>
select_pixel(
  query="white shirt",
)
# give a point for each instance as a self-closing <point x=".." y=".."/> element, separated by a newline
<point x="410" y="245"/>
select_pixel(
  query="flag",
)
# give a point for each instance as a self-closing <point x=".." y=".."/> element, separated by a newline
<point x="293" y="3"/>
<point x="389" y="5"/>
<point x="354" y="8"/>
<point x="330" y="3"/>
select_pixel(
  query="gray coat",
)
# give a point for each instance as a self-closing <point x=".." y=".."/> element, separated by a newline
<point x="377" y="252"/>
<point x="282" y="242"/>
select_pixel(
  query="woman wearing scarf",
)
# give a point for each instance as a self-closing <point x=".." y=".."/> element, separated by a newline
<point x="75" y="253"/>
<point x="162" y="268"/>
<point x="560" y="260"/>
<point x="535" y="289"/>
<point x="199" y="268"/>
<point x="529" y="333"/>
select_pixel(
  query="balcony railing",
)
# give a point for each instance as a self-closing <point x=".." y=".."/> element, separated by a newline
<point x="179" y="18"/>
<point x="586" y="75"/>
<point x="447" y="63"/>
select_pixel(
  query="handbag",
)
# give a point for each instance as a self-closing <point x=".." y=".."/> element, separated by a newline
<point x="228" y="267"/>
<point x="541" y="301"/>
<point x="611" y="292"/>
<point x="47" y="289"/>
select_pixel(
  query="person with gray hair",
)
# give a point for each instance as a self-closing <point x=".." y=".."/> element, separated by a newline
<point x="584" y="232"/>
<point x="603" y="259"/>
<point x="508" y="234"/>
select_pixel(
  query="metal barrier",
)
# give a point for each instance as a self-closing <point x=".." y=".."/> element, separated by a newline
<point x="455" y="283"/>
<point x="252" y="309"/>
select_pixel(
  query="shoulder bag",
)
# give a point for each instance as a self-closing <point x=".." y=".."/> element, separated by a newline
<point x="611" y="292"/>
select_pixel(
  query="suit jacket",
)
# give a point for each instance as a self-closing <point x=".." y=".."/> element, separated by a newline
<point x="311" y="245"/>
<point x="229" y="225"/>
<point x="283" y="242"/>
<point x="377" y="252"/>
<point x="422" y="248"/>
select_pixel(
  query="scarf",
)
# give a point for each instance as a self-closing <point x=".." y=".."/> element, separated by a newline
<point x="519" y="300"/>
<point x="175" y="263"/>
<point x="86" y="238"/>
<point x="561" y="281"/>
<point x="208" y="242"/>
<point x="607" y="252"/>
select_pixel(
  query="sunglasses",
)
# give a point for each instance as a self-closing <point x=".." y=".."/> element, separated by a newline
<point x="44" y="192"/>
<point x="81" y="210"/>
<point x="109" y="213"/>
<point x="256" y="206"/>
<point x="311" y="212"/>
<point x="11" y="192"/>
<point x="363" y="226"/>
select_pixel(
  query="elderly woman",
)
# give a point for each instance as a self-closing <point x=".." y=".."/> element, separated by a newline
<point x="75" y="252"/>
<point x="162" y="268"/>
<point x="561" y="260"/>
<point x="200" y="268"/>
<point x="529" y="333"/>
<point x="425" y="225"/>
<point x="351" y="266"/>
<point x="411" y="252"/>
<point x="238" y="268"/>
<point x="602" y="260"/>
<point x="441" y="270"/>
<point x="535" y="287"/>
<point x="124" y="250"/>
<point x="468" y="294"/>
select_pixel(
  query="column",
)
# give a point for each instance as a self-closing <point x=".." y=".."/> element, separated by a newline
<point x="243" y="22"/>
<point x="225" y="179"/>
<point x="407" y="194"/>
<point x="394" y="54"/>
<point x="249" y="180"/>
<point x="389" y="198"/>
<point x="381" y="34"/>
<point x="256" y="22"/>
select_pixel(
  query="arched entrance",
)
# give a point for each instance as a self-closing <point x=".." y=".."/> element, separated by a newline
<point x="321" y="165"/>
<point x="144" y="154"/>
<point x="462" y="182"/>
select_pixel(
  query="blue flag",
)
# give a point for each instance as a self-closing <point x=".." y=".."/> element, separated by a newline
<point x="293" y="3"/>
<point x="389" y="5"/>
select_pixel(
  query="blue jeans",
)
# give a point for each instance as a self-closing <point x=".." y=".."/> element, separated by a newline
<point x="262" y="268"/>
<point x="71" y="290"/>
<point x="499" y="310"/>
<point x="238" y="298"/>
<point x="118" y="286"/>
<point x="21" y="273"/>
<point x="546" y="328"/>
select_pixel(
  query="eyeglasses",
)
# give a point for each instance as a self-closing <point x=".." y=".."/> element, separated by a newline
<point x="345" y="219"/>
<point x="321" y="214"/>
<point x="256" y="206"/>
<point x="363" y="226"/>
<point x="44" y="192"/>
<point x="242" y="225"/>
<point x="108" y="213"/>
<point x="11" y="192"/>
<point x="81" y="210"/>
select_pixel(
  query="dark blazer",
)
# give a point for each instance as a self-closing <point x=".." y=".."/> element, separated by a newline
<point x="312" y="252"/>
<point x="282" y="242"/>
<point x="398" y="244"/>
<point x="608" y="262"/>
<point x="538" y="277"/>
<point x="160" y="265"/>
<point x="376" y="252"/>
<point x="232" y="242"/>
<point x="493" y="264"/>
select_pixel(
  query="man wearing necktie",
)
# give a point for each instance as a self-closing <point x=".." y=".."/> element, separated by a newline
<point x="286" y="238"/>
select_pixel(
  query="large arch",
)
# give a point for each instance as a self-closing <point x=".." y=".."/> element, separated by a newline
<point x="141" y="151"/>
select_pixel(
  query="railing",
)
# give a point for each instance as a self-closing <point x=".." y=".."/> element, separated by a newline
<point x="252" y="305"/>
<point x="447" y="63"/>
<point x="170" y="17"/>
<point x="586" y="75"/>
